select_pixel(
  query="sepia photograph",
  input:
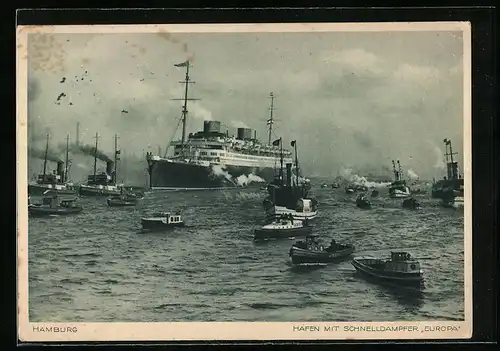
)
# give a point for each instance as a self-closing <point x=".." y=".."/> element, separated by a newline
<point x="176" y="182"/>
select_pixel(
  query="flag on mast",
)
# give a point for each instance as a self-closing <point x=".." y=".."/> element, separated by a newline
<point x="293" y="143"/>
<point x="277" y="142"/>
<point x="184" y="64"/>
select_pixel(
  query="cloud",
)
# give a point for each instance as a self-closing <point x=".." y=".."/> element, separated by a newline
<point x="348" y="98"/>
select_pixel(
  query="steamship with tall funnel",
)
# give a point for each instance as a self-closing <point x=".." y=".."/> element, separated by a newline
<point x="211" y="158"/>
<point x="57" y="180"/>
<point x="103" y="183"/>
<point x="452" y="185"/>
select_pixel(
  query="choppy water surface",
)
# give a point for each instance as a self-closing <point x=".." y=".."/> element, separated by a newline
<point x="96" y="266"/>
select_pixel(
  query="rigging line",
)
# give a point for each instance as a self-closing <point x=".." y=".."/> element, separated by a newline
<point x="173" y="136"/>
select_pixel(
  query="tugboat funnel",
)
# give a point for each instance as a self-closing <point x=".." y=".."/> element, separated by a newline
<point x="60" y="170"/>
<point x="109" y="167"/>
<point x="289" y="174"/>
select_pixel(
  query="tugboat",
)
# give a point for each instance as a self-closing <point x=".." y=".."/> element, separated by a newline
<point x="55" y="181"/>
<point x="52" y="205"/>
<point x="335" y="185"/>
<point x="284" y="227"/>
<point x="401" y="268"/>
<point x="411" y="204"/>
<point x="103" y="184"/>
<point x="453" y="181"/>
<point x="162" y="220"/>
<point x="363" y="202"/>
<point x="398" y="188"/>
<point x="311" y="251"/>
<point x="288" y="198"/>
<point x="349" y="189"/>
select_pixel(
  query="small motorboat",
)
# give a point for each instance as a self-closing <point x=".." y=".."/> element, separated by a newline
<point x="311" y="251"/>
<point x="374" y="193"/>
<point x="125" y="198"/>
<point x="324" y="185"/>
<point x="53" y="205"/>
<point x="122" y="201"/>
<point x="401" y="268"/>
<point x="284" y="226"/>
<point x="411" y="204"/>
<point x="363" y="202"/>
<point x="335" y="185"/>
<point x="360" y="187"/>
<point x="162" y="220"/>
<point x="349" y="189"/>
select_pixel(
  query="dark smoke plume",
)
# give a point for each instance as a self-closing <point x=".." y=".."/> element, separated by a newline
<point x="32" y="152"/>
<point x="89" y="150"/>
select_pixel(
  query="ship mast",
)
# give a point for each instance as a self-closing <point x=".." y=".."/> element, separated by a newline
<point x="67" y="160"/>
<point x="45" y="158"/>
<point x="186" y="83"/>
<point x="297" y="168"/>
<point x="399" y="171"/>
<point x="117" y="157"/>
<point x="450" y="163"/>
<point x="270" y="121"/>
<point x="95" y="155"/>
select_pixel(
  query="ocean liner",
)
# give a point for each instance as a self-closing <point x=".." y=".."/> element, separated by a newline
<point x="453" y="183"/>
<point x="211" y="158"/>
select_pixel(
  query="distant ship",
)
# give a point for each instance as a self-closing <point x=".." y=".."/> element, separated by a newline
<point x="104" y="183"/>
<point x="453" y="182"/>
<point x="212" y="159"/>
<point x="398" y="188"/>
<point x="55" y="181"/>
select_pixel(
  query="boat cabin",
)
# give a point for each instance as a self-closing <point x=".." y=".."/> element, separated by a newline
<point x="49" y="178"/>
<point x="305" y="205"/>
<point x="168" y="218"/>
<point x="402" y="262"/>
<point x="54" y="202"/>
<point x="51" y="201"/>
<point x="68" y="203"/>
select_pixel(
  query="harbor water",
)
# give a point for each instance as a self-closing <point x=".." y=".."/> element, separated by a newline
<point x="97" y="267"/>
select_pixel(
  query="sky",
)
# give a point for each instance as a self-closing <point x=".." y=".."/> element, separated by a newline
<point x="351" y="99"/>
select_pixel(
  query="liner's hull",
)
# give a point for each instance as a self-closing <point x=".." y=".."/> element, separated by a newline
<point x="413" y="279"/>
<point x="304" y="256"/>
<point x="282" y="233"/>
<point x="176" y="175"/>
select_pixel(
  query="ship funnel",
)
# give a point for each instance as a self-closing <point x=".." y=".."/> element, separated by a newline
<point x="289" y="174"/>
<point x="452" y="170"/>
<point x="60" y="170"/>
<point x="109" y="167"/>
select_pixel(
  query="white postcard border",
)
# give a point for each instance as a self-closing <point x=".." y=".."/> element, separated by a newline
<point x="192" y="331"/>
